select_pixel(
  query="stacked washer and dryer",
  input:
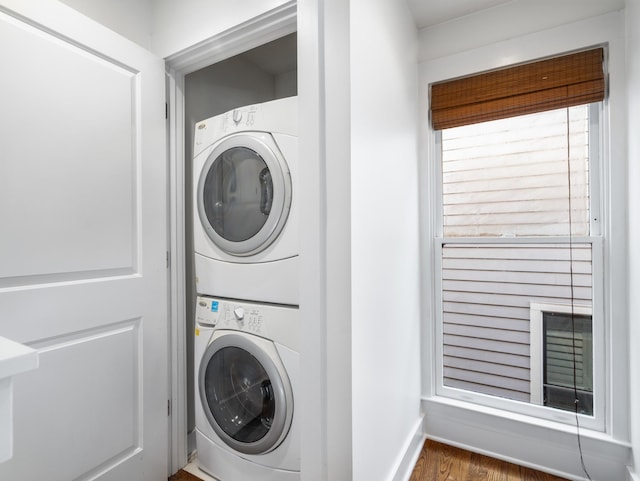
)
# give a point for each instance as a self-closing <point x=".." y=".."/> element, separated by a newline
<point x="246" y="267"/>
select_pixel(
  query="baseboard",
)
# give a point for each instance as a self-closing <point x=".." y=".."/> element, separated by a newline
<point x="631" y="475"/>
<point x="531" y="444"/>
<point x="410" y="453"/>
<point x="191" y="445"/>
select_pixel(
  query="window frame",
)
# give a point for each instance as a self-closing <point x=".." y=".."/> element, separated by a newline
<point x="537" y="311"/>
<point x="529" y="440"/>
<point x="598" y="165"/>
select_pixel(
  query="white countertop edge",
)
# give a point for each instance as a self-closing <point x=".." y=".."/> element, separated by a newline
<point x="16" y="358"/>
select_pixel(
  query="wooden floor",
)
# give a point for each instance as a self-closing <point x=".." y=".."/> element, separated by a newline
<point x="439" y="462"/>
<point x="184" y="476"/>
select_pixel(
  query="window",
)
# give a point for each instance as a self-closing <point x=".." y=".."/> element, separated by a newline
<point x="562" y="357"/>
<point x="518" y="226"/>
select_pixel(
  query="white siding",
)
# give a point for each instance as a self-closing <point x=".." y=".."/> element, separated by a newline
<point x="487" y="290"/>
<point x="510" y="177"/>
<point x="568" y="358"/>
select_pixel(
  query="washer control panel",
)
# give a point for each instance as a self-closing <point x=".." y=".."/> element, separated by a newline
<point x="226" y="314"/>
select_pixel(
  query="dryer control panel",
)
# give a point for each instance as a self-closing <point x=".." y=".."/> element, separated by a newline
<point x="280" y="115"/>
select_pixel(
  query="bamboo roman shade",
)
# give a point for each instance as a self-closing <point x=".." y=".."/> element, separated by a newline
<point x="554" y="83"/>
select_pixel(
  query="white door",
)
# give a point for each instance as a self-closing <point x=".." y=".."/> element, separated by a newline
<point x="83" y="239"/>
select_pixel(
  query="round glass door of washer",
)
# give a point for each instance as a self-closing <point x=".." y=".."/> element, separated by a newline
<point x="244" y="193"/>
<point x="244" y="395"/>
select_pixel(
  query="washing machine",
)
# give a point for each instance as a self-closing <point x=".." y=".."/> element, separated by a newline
<point x="245" y="212"/>
<point x="246" y="367"/>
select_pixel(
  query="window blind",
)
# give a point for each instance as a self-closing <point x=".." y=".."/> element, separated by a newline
<point x="554" y="83"/>
<point x="568" y="351"/>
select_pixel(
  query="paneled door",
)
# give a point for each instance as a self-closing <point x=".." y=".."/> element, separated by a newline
<point x="83" y="242"/>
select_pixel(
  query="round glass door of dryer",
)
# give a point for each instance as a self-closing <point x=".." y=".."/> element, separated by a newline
<point x="245" y="395"/>
<point x="244" y="193"/>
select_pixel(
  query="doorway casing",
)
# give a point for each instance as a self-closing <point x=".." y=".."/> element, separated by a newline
<point x="271" y="25"/>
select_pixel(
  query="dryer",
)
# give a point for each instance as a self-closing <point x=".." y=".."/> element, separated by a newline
<point x="245" y="212"/>
<point x="246" y="367"/>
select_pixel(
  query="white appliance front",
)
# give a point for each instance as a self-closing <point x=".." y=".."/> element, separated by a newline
<point x="245" y="214"/>
<point x="246" y="367"/>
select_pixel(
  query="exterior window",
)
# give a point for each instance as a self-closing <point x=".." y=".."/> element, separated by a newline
<point x="519" y="226"/>
<point x="568" y="362"/>
<point x="562" y="357"/>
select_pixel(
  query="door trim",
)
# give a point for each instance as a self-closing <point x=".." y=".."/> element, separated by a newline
<point x="269" y="26"/>
<point x="272" y="25"/>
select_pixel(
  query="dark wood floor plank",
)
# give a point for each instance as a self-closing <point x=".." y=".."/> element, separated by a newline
<point x="454" y="464"/>
<point x="440" y="462"/>
<point x="184" y="476"/>
<point x="482" y="468"/>
<point x="424" y="468"/>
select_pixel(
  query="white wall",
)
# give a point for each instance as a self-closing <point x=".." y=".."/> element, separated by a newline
<point x="286" y="83"/>
<point x="359" y="294"/>
<point x="633" y="105"/>
<point x="179" y="25"/>
<point x="129" y="18"/>
<point x="385" y="313"/>
<point x="511" y="20"/>
<point x="166" y="27"/>
<point x="325" y="233"/>
<point x="545" y="445"/>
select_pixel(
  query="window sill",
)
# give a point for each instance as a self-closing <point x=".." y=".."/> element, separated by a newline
<point x="537" y="443"/>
